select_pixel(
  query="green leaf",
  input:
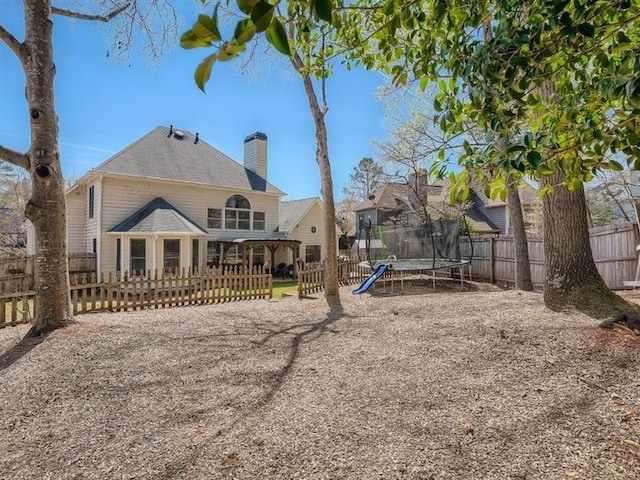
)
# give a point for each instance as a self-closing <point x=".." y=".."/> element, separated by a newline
<point x="519" y="61"/>
<point x="587" y="29"/>
<point x="616" y="166"/>
<point x="246" y="5"/>
<point x="206" y="28"/>
<point x="323" y="9"/>
<point x="190" y="40"/>
<point x="261" y="15"/>
<point x="516" y="149"/>
<point x="277" y="36"/>
<point x="534" y="158"/>
<point x="245" y="30"/>
<point x="203" y="72"/>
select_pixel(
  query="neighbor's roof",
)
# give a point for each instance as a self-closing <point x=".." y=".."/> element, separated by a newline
<point x="162" y="156"/>
<point x="292" y="212"/>
<point x="158" y="216"/>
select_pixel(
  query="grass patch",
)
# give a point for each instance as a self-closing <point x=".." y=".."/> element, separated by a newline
<point x="290" y="287"/>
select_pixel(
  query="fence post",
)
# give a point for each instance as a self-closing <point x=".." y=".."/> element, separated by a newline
<point x="492" y="260"/>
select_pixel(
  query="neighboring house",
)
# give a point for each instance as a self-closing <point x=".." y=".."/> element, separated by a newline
<point x="12" y="233"/>
<point x="170" y="200"/>
<point x="304" y="220"/>
<point x="395" y="202"/>
<point x="620" y="193"/>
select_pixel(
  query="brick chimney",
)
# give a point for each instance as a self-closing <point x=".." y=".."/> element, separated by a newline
<point x="255" y="154"/>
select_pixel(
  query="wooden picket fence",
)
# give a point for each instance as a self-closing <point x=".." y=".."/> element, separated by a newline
<point x="311" y="278"/>
<point x="118" y="293"/>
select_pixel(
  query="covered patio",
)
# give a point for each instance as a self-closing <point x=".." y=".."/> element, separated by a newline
<point x="247" y="247"/>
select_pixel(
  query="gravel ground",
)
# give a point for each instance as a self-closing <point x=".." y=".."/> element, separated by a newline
<point x="478" y="384"/>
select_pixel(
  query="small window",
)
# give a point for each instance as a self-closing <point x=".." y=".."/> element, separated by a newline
<point x="258" y="256"/>
<point x="91" y="200"/>
<point x="259" y="221"/>
<point x="214" y="218"/>
<point x="95" y="245"/>
<point x="171" y="254"/>
<point x="138" y="255"/>
<point x="312" y="253"/>
<point x="213" y="253"/>
<point x="195" y="255"/>
<point x="118" y="254"/>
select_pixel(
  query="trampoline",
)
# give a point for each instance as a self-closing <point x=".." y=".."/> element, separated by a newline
<point x="420" y="249"/>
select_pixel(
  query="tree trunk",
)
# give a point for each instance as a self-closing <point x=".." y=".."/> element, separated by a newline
<point x="516" y="218"/>
<point x="46" y="208"/>
<point x="331" y="291"/>
<point x="571" y="278"/>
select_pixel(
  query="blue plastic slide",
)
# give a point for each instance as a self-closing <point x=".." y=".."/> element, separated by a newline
<point x="377" y="273"/>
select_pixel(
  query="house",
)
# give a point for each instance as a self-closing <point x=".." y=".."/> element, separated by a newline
<point x="614" y="198"/>
<point x="12" y="233"/>
<point x="171" y="200"/>
<point x="397" y="203"/>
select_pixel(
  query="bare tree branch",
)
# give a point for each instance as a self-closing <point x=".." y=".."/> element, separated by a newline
<point x="16" y="158"/>
<point x="87" y="16"/>
<point x="12" y="42"/>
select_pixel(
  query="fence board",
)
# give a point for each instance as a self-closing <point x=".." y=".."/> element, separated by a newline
<point x="123" y="293"/>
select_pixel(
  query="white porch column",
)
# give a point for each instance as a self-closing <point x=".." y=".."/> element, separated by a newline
<point x="154" y="252"/>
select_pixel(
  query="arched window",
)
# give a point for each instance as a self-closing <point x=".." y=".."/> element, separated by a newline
<point x="238" y="201"/>
<point x="237" y="213"/>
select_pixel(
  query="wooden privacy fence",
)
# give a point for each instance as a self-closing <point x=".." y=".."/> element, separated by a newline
<point x="16" y="274"/>
<point x="123" y="293"/>
<point x="613" y="247"/>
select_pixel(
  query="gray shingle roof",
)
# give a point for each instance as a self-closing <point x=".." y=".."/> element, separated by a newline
<point x="291" y="213"/>
<point x="158" y="216"/>
<point x="161" y="156"/>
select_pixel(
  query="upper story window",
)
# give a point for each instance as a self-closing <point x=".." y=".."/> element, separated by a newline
<point x="259" y="222"/>
<point x="237" y="213"/>
<point x="214" y="218"/>
<point x="91" y="200"/>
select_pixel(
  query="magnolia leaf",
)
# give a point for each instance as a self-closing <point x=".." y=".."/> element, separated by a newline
<point x="587" y="29"/>
<point x="261" y="15"/>
<point x="206" y="28"/>
<point x="323" y="9"/>
<point x="534" y="158"/>
<point x="190" y="40"/>
<point x="245" y="30"/>
<point x="203" y="72"/>
<point x="277" y="36"/>
<point x="616" y="166"/>
<point x="246" y="5"/>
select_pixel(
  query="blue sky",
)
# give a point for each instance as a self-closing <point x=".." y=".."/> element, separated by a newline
<point x="103" y="105"/>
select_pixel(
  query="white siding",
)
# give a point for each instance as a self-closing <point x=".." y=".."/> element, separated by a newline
<point x="122" y="197"/>
<point x="76" y="220"/>
<point x="92" y="224"/>
<point x="313" y="218"/>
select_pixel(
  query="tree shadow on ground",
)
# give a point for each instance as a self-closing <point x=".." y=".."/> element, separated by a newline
<point x="19" y="350"/>
<point x="301" y="333"/>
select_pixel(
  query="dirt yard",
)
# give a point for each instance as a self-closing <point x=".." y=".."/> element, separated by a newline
<point x="480" y="384"/>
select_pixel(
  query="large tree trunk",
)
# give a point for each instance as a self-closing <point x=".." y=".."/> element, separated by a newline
<point x="571" y="278"/>
<point x="46" y="208"/>
<point x="516" y="218"/>
<point x="331" y="290"/>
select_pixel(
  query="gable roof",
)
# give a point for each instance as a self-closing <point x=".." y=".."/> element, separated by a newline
<point x="291" y="212"/>
<point x="158" y="216"/>
<point x="395" y="197"/>
<point x="160" y="155"/>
